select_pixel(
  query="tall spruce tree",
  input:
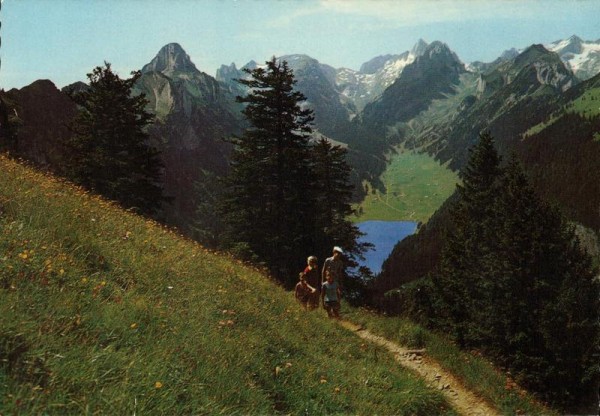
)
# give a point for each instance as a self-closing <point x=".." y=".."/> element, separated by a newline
<point x="544" y="302"/>
<point x="468" y="241"/>
<point x="266" y="207"/>
<point x="285" y="197"/>
<point x="515" y="283"/>
<point x="109" y="151"/>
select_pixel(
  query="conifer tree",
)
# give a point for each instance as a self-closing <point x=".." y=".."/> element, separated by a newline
<point x="544" y="303"/>
<point x="285" y="197"/>
<point x="467" y="241"/>
<point x="109" y="152"/>
<point x="331" y="192"/>
<point x="266" y="207"/>
<point x="515" y="283"/>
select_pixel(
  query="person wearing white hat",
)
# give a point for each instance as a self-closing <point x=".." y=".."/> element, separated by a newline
<point x="335" y="266"/>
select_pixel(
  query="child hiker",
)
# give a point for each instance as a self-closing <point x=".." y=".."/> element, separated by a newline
<point x="304" y="292"/>
<point x="331" y="295"/>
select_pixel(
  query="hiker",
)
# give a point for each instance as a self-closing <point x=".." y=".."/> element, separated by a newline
<point x="304" y="292"/>
<point x="331" y="295"/>
<point x="334" y="265"/>
<point x="311" y="275"/>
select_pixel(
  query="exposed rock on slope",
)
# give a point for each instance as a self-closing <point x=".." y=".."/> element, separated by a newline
<point x="195" y="112"/>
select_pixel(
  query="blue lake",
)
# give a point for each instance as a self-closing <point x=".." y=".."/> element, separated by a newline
<point x="384" y="235"/>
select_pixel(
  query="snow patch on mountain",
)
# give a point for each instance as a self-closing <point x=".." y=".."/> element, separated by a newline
<point x="582" y="57"/>
<point x="587" y="63"/>
<point x="363" y="87"/>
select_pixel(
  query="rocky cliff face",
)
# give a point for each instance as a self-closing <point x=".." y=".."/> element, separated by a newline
<point x="313" y="79"/>
<point x="228" y="76"/>
<point x="366" y="85"/>
<point x="172" y="83"/>
<point x="546" y="67"/>
<point x="377" y="63"/>
<point x="170" y="60"/>
<point x="317" y="82"/>
<point x="194" y="113"/>
<point x="429" y="77"/>
<point x="512" y="95"/>
<point x="523" y="75"/>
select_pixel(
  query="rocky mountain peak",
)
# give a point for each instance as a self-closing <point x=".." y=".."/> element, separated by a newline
<point x="531" y="54"/>
<point x="440" y="49"/>
<point x="170" y="59"/>
<point x="535" y="67"/>
<point x="437" y="54"/>
<point x="75" y="88"/>
<point x="227" y="73"/>
<point x="251" y="65"/>
<point x="509" y="54"/>
<point x="419" y="48"/>
<point x="582" y="57"/>
<point x="231" y="67"/>
<point x="573" y="45"/>
<point x="381" y="62"/>
<point x="297" y="61"/>
<point x="375" y="64"/>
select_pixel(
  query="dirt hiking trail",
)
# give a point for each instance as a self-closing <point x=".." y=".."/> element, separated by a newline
<point x="464" y="401"/>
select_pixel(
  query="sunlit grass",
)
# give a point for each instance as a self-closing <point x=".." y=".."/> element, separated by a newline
<point x="416" y="185"/>
<point x="472" y="369"/>
<point x="103" y="311"/>
<point x="587" y="105"/>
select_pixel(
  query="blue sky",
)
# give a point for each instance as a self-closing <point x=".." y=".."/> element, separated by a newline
<point x="63" y="40"/>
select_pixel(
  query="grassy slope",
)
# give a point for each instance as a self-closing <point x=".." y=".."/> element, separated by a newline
<point x="416" y="185"/>
<point x="586" y="105"/>
<point x="102" y="311"/>
<point x="476" y="373"/>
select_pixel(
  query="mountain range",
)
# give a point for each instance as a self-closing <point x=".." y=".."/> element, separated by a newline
<point x="425" y="98"/>
<point x="535" y="107"/>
